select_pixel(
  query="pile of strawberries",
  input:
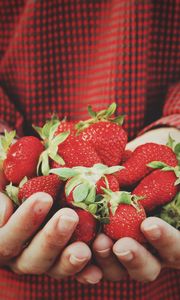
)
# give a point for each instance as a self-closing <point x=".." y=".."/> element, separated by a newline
<point x="85" y="166"/>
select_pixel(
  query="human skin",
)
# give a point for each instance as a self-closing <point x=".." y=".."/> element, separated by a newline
<point x="60" y="259"/>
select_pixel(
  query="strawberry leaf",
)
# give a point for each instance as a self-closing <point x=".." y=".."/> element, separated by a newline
<point x="12" y="193"/>
<point x="119" y="120"/>
<point x="5" y="143"/>
<point x="171" y="212"/>
<point x="91" y="112"/>
<point x="80" y="192"/>
<point x="80" y="205"/>
<point x="177" y="181"/>
<point x="71" y="184"/>
<point x="43" y="163"/>
<point x="64" y="173"/>
<point x="58" y="159"/>
<point x="157" y="165"/>
<point x="92" y="208"/>
<point x="114" y="169"/>
<point x="170" y="142"/>
<point x="91" y="196"/>
<point x="23" y="181"/>
<point x="124" y="197"/>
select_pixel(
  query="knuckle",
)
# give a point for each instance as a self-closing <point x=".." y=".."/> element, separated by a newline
<point x="52" y="240"/>
<point x="25" y="269"/>
<point x="173" y="260"/>
<point x="9" y="252"/>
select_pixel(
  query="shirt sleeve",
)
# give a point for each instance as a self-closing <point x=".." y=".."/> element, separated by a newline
<point x="171" y="110"/>
<point x="10" y="117"/>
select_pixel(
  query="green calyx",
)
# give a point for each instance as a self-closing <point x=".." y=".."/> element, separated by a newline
<point x="103" y="116"/>
<point x="5" y="143"/>
<point x="165" y="167"/>
<point x="175" y="147"/>
<point x="51" y="143"/>
<point x="171" y="212"/>
<point x="121" y="197"/>
<point x="82" y="183"/>
<point x="12" y="191"/>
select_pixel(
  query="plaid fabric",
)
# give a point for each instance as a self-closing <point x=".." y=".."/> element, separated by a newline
<point x="59" y="56"/>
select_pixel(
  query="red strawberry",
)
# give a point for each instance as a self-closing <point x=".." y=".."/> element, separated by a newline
<point x="74" y="150"/>
<point x="125" y="217"/>
<point x="77" y="152"/>
<point x="125" y="223"/>
<point x="22" y="159"/>
<point x="158" y="188"/>
<point x="136" y="166"/>
<point x="49" y="184"/>
<point x="126" y="155"/>
<point x="105" y="134"/>
<point x="83" y="184"/>
<point x="87" y="227"/>
<point x="66" y="126"/>
<point x="110" y="182"/>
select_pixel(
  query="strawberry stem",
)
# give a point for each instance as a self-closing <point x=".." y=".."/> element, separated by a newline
<point x="103" y="116"/>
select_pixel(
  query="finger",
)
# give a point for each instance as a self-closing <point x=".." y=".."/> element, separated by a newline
<point x="23" y="224"/>
<point x="43" y="250"/>
<point x="72" y="260"/>
<point x="90" y="275"/>
<point x="6" y="209"/>
<point x="140" y="263"/>
<point x="105" y="258"/>
<point x="165" y="238"/>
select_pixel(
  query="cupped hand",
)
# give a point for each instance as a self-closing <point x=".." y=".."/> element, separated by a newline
<point x="28" y="250"/>
<point x="128" y="257"/>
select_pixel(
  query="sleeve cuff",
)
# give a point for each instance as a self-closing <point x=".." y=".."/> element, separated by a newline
<point x="167" y="121"/>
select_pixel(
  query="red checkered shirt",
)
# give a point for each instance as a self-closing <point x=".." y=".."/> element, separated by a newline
<point x="60" y="55"/>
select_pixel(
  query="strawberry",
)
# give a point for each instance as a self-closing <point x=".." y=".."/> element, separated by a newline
<point x="50" y="184"/>
<point x="126" y="155"/>
<point x="86" y="229"/>
<point x="109" y="181"/>
<point x="66" y="126"/>
<point x="83" y="184"/>
<point x="22" y="159"/>
<point x="125" y="216"/>
<point x="76" y="152"/>
<point x="105" y="134"/>
<point x="159" y="187"/>
<point x="135" y="168"/>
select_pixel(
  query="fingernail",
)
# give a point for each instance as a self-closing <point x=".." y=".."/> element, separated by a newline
<point x="126" y="255"/>
<point x="153" y="231"/>
<point x="104" y="253"/>
<point x="66" y="223"/>
<point x="92" y="281"/>
<point x="77" y="261"/>
<point x="2" y="212"/>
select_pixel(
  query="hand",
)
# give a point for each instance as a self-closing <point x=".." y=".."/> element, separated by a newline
<point x="27" y="251"/>
<point x="127" y="256"/>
